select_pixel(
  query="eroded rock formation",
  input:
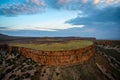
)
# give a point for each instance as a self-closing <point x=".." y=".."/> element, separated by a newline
<point x="108" y="42"/>
<point x="54" y="58"/>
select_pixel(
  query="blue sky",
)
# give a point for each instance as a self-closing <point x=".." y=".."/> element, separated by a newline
<point x="81" y="18"/>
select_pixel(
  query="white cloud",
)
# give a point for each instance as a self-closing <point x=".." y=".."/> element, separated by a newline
<point x="55" y="21"/>
<point x="48" y="27"/>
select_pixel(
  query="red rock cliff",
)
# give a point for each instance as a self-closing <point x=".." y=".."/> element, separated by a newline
<point x="53" y="58"/>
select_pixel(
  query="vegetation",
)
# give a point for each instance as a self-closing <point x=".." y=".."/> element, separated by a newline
<point x="11" y="64"/>
<point x="57" y="46"/>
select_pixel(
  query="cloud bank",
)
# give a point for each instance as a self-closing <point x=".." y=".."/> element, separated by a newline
<point x="109" y="15"/>
<point x="18" y="7"/>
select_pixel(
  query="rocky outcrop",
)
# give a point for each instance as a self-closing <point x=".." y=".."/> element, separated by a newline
<point x="108" y="42"/>
<point x="54" y="58"/>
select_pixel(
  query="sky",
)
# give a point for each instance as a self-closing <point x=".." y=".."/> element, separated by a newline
<point x="61" y="18"/>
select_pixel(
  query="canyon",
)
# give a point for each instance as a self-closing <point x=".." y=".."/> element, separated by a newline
<point x="99" y="61"/>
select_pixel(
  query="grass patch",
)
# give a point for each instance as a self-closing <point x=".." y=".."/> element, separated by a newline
<point x="57" y="46"/>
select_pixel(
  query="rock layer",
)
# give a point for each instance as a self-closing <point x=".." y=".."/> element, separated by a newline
<point x="108" y="42"/>
<point x="54" y="58"/>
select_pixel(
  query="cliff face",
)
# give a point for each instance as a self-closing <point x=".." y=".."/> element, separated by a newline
<point x="54" y="58"/>
<point x="108" y="42"/>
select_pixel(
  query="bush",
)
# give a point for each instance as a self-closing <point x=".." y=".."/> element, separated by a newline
<point x="57" y="74"/>
<point x="8" y="70"/>
<point x="26" y="75"/>
<point x="2" y="76"/>
<point x="1" y="61"/>
<point x="12" y="76"/>
<point x="29" y="68"/>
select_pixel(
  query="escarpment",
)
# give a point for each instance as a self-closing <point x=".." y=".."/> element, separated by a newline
<point x="108" y="42"/>
<point x="54" y="58"/>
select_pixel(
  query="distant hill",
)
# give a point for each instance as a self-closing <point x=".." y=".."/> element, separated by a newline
<point x="3" y="35"/>
<point x="4" y="38"/>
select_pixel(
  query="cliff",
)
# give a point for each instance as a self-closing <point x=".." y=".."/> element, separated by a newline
<point x="108" y="42"/>
<point x="54" y="58"/>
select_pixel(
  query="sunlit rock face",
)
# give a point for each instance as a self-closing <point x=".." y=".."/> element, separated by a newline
<point x="54" y="58"/>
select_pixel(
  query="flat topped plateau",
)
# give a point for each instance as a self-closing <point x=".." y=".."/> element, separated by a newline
<point x="70" y="45"/>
